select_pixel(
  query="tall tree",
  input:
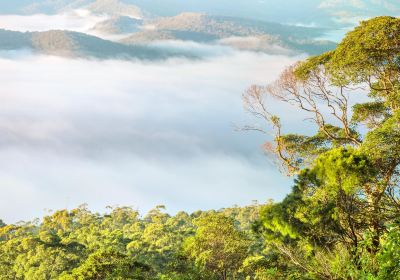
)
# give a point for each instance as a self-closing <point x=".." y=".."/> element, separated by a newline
<point x="348" y="171"/>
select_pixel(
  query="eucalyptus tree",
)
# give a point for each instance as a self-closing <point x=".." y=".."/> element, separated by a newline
<point x="347" y="189"/>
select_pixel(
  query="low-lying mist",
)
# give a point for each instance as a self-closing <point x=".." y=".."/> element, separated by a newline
<point x="131" y="133"/>
<point x="74" y="20"/>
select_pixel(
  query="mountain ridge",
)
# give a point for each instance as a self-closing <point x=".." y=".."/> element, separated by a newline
<point x="206" y="28"/>
<point x="75" y="44"/>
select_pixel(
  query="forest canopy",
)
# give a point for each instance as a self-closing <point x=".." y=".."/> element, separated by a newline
<point x="340" y="221"/>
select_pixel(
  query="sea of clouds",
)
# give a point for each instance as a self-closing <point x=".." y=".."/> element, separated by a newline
<point x="136" y="133"/>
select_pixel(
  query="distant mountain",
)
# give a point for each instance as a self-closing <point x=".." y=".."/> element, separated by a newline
<point x="236" y="32"/>
<point x="115" y="8"/>
<point x="327" y="13"/>
<point x="118" y="25"/>
<point x="48" y="6"/>
<point x="12" y="40"/>
<point x="134" y="29"/>
<point x="222" y="26"/>
<point x="75" y="44"/>
<point x="106" y="7"/>
<point x="148" y="35"/>
<point x="269" y="44"/>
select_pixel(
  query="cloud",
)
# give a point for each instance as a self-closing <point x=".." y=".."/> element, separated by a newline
<point x="391" y="5"/>
<point x="131" y="133"/>
<point x="351" y="12"/>
<point x="359" y="4"/>
<point x="262" y="43"/>
<point x="74" y="20"/>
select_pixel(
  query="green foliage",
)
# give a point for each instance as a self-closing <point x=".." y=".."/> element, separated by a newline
<point x="389" y="255"/>
<point x="306" y="68"/>
<point x="370" y="49"/>
<point x="120" y="244"/>
<point x="218" y="245"/>
<point x="341" y="219"/>
<point x="109" y="265"/>
<point x="371" y="114"/>
<point x="342" y="168"/>
<point x="383" y="143"/>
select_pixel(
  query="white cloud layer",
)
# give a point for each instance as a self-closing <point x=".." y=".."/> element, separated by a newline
<point x="131" y="133"/>
<point x="74" y="20"/>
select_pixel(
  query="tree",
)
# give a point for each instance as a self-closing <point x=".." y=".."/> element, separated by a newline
<point x="348" y="171"/>
<point x="120" y="244"/>
<point x="389" y="256"/>
<point x="109" y="265"/>
<point x="218" y="246"/>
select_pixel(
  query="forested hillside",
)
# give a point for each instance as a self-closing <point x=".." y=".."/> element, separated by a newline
<point x="79" y="244"/>
<point x="80" y="45"/>
<point x="341" y="220"/>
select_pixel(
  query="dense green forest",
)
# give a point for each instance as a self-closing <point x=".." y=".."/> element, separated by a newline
<point x="340" y="221"/>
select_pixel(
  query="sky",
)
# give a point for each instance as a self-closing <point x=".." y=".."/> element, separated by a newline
<point x="327" y="13"/>
<point x="137" y="133"/>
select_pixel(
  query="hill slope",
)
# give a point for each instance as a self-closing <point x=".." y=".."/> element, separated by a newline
<point x="203" y="28"/>
<point x="115" y="8"/>
<point x="118" y="25"/>
<point x="75" y="44"/>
